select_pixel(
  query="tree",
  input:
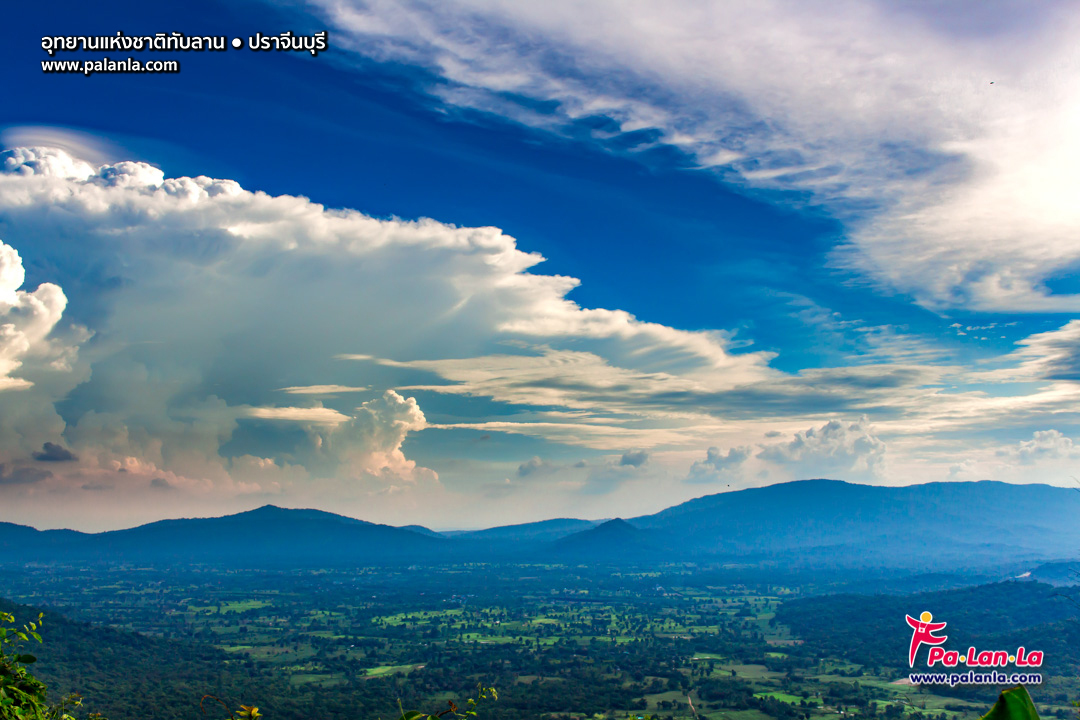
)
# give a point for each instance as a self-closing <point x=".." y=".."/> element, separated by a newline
<point x="23" y="696"/>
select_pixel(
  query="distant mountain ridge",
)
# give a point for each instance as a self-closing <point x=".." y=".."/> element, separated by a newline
<point x="611" y="541"/>
<point x="914" y="525"/>
<point x="812" y="523"/>
<point x="540" y="531"/>
<point x="268" y="535"/>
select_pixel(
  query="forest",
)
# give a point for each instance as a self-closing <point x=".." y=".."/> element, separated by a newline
<point x="557" y="641"/>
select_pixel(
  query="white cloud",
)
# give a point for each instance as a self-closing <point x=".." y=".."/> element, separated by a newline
<point x="718" y="466"/>
<point x="45" y="161"/>
<point x="322" y="389"/>
<point x="533" y="466"/>
<point x="220" y="299"/>
<point x="634" y="458"/>
<point x="581" y="379"/>
<point x="39" y="362"/>
<point x="947" y="145"/>
<point x="1044" y="445"/>
<point x="836" y="450"/>
<point x="74" y="143"/>
<point x="370" y="443"/>
<point x="1052" y="355"/>
<point x="316" y="415"/>
<point x="26" y="321"/>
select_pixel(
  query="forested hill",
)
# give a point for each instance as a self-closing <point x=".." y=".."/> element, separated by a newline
<point x="117" y="671"/>
<point x="932" y="525"/>
<point x="871" y="630"/>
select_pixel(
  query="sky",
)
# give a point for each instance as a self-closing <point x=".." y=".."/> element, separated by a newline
<point x="483" y="262"/>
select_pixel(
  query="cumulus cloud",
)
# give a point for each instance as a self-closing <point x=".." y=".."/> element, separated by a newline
<point x="22" y="475"/>
<point x="220" y="299"/>
<point x="1043" y="445"/>
<point x="52" y="452"/>
<point x="718" y="465"/>
<point x="370" y="443"/>
<point x="26" y="321"/>
<point x="533" y="466"/>
<point x="39" y="364"/>
<point x="214" y="299"/>
<point x="946" y="146"/>
<point x="149" y="419"/>
<point x="836" y="450"/>
<point x="45" y="161"/>
<point x="966" y="469"/>
<point x="74" y="143"/>
<point x="634" y="458"/>
<point x="156" y="236"/>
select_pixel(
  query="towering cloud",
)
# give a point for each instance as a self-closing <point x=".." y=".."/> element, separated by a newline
<point x="208" y="299"/>
<point x="26" y="320"/>
<point x="255" y="346"/>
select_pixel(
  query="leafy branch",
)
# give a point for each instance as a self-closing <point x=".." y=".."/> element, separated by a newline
<point x="483" y="693"/>
<point x="23" y="696"/>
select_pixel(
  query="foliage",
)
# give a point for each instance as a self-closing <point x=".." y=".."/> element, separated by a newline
<point x="1013" y="704"/>
<point x="23" y="696"/>
<point x="1006" y="614"/>
<point x="248" y="712"/>
<point x="483" y="693"/>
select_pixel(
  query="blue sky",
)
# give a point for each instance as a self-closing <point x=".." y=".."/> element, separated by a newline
<point x="486" y="262"/>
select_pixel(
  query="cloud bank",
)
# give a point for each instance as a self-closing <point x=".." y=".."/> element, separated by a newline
<point x="241" y="348"/>
<point x="211" y="304"/>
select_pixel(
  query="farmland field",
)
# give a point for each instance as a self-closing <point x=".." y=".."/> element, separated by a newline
<point x="581" y="643"/>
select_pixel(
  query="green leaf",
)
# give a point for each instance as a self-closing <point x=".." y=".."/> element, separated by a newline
<point x="1013" y="704"/>
<point x="412" y="715"/>
<point x="25" y="659"/>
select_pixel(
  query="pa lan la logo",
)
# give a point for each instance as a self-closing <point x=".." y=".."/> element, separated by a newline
<point x="923" y="633"/>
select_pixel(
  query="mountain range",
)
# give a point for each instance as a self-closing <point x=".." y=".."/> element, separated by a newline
<point x="809" y="523"/>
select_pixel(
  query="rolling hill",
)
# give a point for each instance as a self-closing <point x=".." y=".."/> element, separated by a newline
<point x="837" y="523"/>
<point x="811" y="523"/>
<point x="537" y="531"/>
<point x="611" y="541"/>
<point x="268" y="535"/>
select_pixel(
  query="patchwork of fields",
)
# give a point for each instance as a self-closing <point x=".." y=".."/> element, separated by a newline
<point x="557" y="641"/>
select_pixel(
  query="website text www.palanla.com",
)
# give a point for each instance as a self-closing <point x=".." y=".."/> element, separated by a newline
<point x="108" y="65"/>
<point x="974" y="678"/>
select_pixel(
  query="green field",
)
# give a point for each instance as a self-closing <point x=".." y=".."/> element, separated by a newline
<point x="587" y="646"/>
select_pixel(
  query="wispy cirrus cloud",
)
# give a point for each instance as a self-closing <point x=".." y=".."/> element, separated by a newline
<point x="322" y="389"/>
<point x="945" y="145"/>
<point x="315" y="415"/>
